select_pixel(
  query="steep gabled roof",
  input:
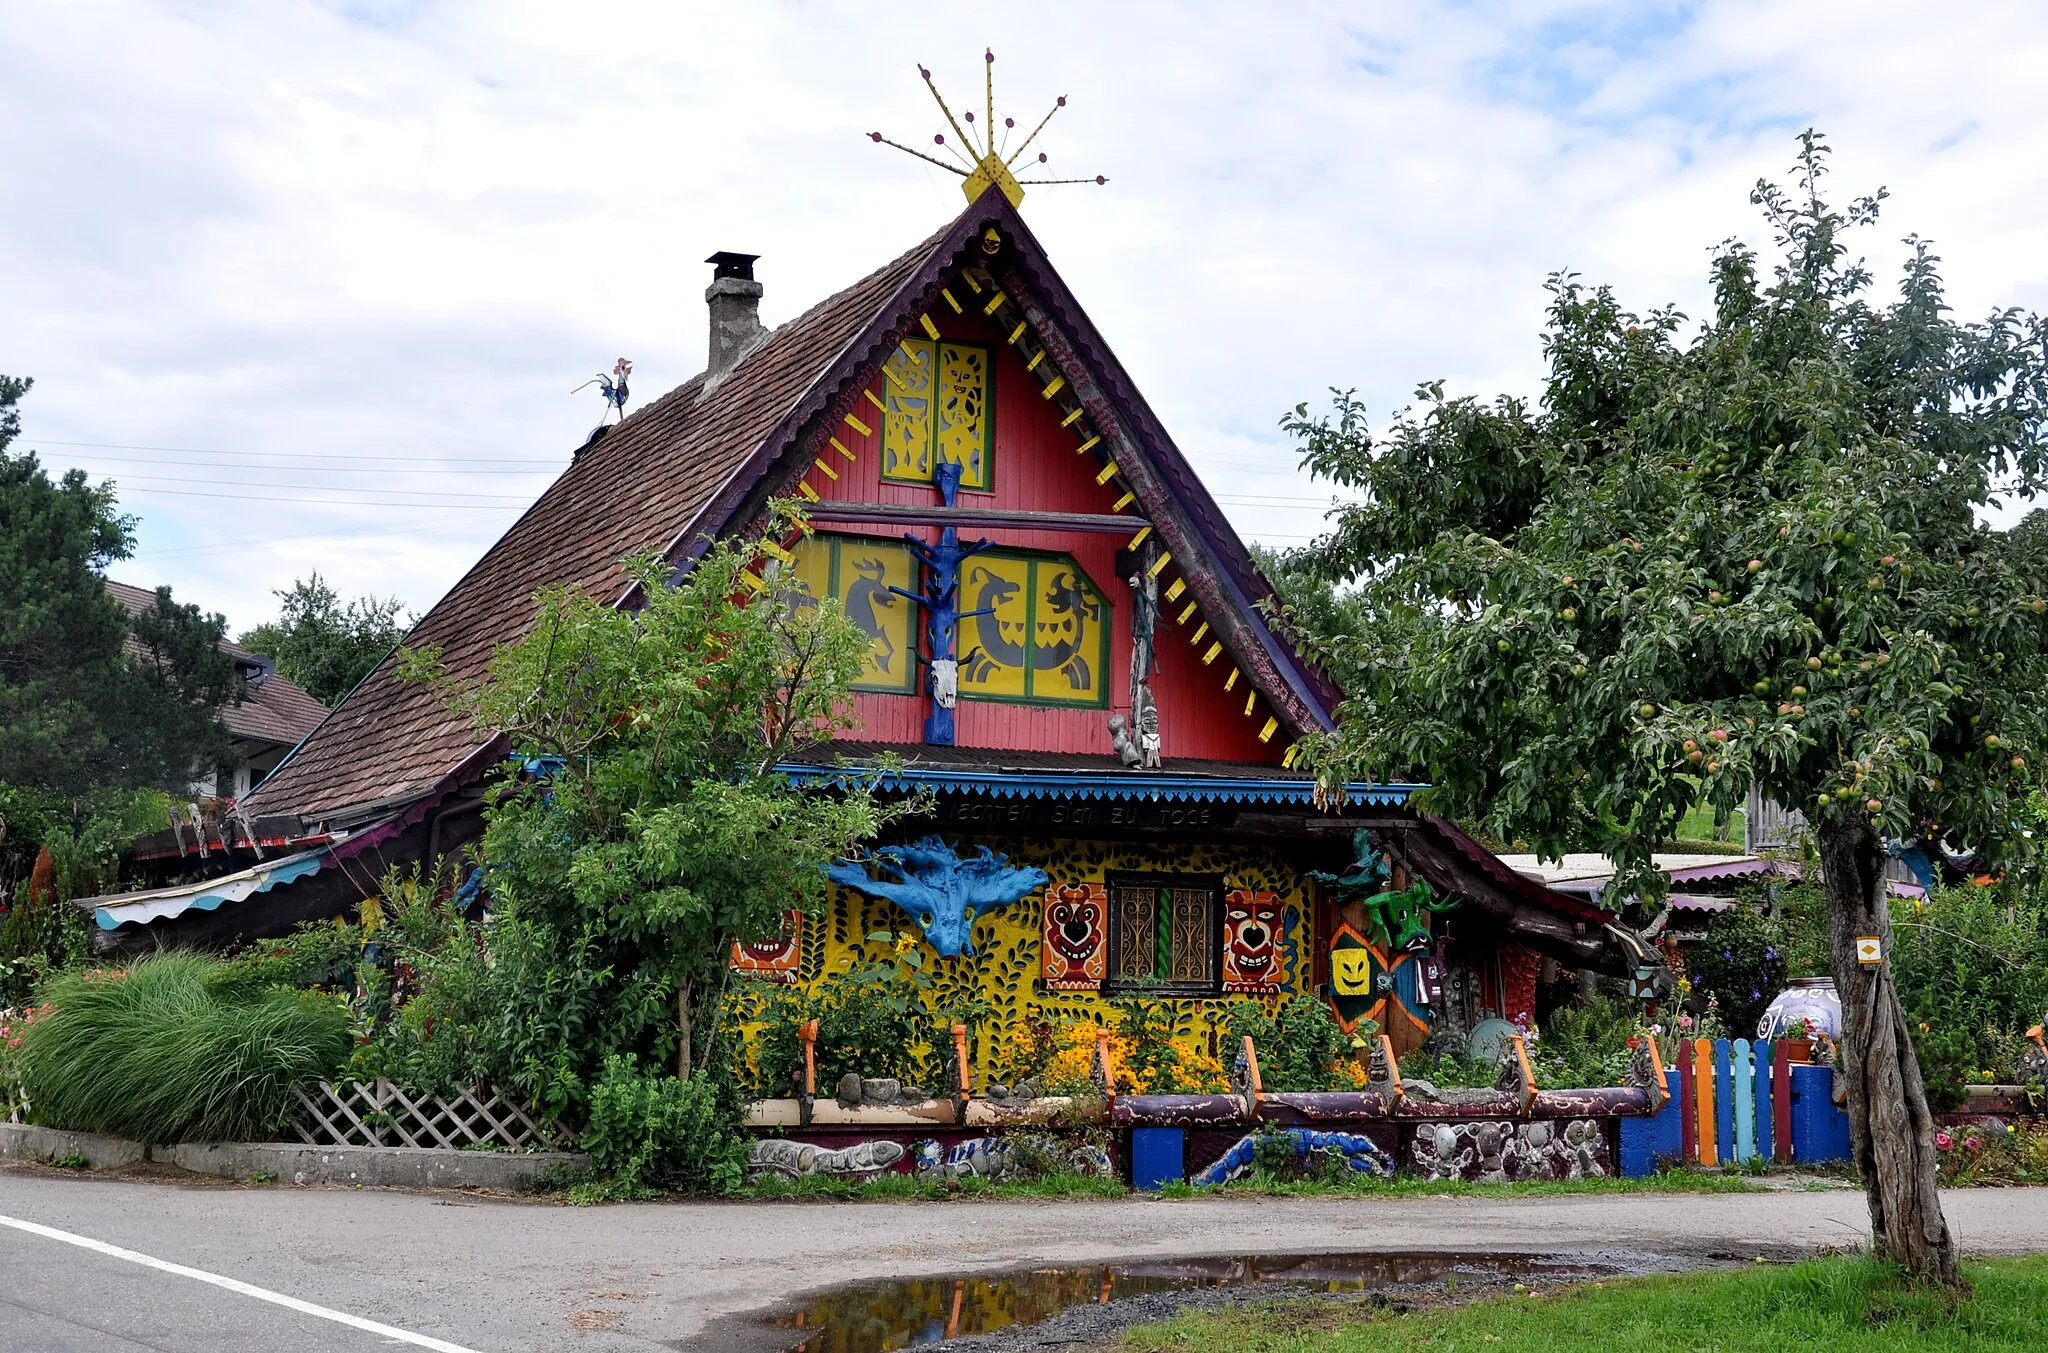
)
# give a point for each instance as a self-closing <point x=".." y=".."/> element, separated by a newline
<point x="273" y="710"/>
<point x="392" y="740"/>
<point x="703" y="461"/>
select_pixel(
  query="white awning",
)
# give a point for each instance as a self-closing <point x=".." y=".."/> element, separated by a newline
<point x="119" y="909"/>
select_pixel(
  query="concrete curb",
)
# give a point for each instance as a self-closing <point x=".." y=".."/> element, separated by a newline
<point x="290" y="1162"/>
<point x="20" y="1141"/>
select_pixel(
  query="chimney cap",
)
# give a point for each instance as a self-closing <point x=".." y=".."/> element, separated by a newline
<point x="728" y="264"/>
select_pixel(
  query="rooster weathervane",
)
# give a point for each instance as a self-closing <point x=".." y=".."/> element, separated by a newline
<point x="986" y="164"/>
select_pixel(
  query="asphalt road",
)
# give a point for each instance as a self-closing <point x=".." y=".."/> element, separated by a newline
<point x="498" y="1276"/>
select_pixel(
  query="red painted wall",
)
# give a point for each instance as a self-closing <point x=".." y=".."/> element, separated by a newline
<point x="1037" y="469"/>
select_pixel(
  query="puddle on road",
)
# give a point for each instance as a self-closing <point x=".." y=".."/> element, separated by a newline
<point x="910" y="1313"/>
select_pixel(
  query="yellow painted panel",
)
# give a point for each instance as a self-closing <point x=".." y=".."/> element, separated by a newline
<point x="859" y="571"/>
<point x="907" y="422"/>
<point x="1067" y="652"/>
<point x="993" y="650"/>
<point x="964" y="412"/>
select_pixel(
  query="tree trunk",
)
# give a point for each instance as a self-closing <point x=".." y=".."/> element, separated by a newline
<point x="1891" y="1129"/>
<point x="683" y="1029"/>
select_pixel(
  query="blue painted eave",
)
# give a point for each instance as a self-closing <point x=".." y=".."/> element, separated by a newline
<point x="1145" y="785"/>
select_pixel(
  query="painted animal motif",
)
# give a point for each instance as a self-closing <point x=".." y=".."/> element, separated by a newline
<point x="1251" y="942"/>
<point x="1073" y="952"/>
<point x="862" y="600"/>
<point x="938" y="888"/>
<point x="1023" y="1157"/>
<point x="1360" y="1154"/>
<point x="1062" y="630"/>
<point x="992" y="647"/>
<point x="1060" y="639"/>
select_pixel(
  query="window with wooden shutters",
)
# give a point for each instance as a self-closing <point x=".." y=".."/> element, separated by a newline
<point x="1166" y="933"/>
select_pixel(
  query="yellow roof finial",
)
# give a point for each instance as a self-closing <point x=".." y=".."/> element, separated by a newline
<point x="985" y="166"/>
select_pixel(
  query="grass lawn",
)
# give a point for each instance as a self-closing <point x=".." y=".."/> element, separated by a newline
<point x="1827" y="1305"/>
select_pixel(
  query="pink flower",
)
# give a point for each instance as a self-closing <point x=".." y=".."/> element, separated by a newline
<point x="1942" y="1141"/>
<point x="1685" y="1021"/>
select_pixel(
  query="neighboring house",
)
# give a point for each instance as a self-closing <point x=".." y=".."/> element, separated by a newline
<point x="1117" y="723"/>
<point x="274" y="716"/>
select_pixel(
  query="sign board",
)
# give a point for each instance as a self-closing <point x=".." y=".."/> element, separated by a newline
<point x="1869" y="952"/>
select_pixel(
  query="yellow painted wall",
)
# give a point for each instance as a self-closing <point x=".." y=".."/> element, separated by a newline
<point x="1005" y="964"/>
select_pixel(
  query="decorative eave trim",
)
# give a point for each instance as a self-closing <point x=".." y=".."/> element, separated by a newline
<point x="1090" y="785"/>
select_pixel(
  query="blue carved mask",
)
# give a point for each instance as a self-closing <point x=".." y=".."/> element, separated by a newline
<point x="938" y="888"/>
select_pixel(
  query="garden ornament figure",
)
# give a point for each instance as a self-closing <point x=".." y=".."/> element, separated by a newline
<point x="939" y="889"/>
<point x="613" y="387"/>
<point x="1397" y="913"/>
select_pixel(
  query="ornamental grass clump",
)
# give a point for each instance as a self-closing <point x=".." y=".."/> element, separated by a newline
<point x="175" y="1048"/>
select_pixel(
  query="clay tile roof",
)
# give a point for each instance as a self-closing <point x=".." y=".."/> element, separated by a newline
<point x="274" y="710"/>
<point x="636" y="488"/>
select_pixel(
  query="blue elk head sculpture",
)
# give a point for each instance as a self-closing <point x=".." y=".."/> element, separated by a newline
<point x="940" y="889"/>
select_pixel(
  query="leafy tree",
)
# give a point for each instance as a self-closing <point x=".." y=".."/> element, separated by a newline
<point x="648" y="830"/>
<point x="92" y="704"/>
<point x="1756" y="554"/>
<point x="325" y="646"/>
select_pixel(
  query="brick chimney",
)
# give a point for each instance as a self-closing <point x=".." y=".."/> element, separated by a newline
<point x="734" y="298"/>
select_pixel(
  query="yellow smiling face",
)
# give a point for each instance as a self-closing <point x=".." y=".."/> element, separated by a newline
<point x="1351" y="971"/>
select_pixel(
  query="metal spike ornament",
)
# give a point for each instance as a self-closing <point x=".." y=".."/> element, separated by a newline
<point x="985" y="164"/>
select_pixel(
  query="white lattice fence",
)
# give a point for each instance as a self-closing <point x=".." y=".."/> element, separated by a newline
<point x="379" y="1113"/>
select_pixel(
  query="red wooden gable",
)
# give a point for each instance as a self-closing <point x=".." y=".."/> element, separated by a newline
<point x="1038" y="467"/>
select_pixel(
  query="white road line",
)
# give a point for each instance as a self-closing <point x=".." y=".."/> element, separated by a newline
<point x="246" y="1289"/>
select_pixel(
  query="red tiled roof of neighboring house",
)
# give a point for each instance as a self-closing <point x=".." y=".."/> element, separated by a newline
<point x="637" y="488"/>
<point x="274" y="711"/>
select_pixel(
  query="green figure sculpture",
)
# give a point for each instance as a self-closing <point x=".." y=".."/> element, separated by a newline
<point x="1396" y="914"/>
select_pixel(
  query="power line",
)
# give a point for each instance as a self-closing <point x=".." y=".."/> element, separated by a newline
<point x="291" y="455"/>
<point x="241" y="546"/>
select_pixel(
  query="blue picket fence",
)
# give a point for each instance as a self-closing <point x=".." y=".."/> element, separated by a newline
<point x="1734" y="1101"/>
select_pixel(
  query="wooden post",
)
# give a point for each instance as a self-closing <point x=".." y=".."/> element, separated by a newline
<point x="1781" y="1100"/>
<point x="1393" y="1071"/>
<point x="1745" y="1101"/>
<point x="1724" y="1102"/>
<point x="1251" y="1075"/>
<point x="960" y="1060"/>
<point x="1108" y="1072"/>
<point x="808" y="1032"/>
<point x="1703" y="1096"/>
<point x="1688" y="1111"/>
<point x="1762" y="1052"/>
<point x="1660" y="1093"/>
<point x="1528" y="1075"/>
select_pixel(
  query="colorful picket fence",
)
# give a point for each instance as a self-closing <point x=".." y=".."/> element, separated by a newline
<point x="1733" y="1102"/>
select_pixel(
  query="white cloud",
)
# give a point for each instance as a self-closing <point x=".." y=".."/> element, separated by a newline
<point x="329" y="233"/>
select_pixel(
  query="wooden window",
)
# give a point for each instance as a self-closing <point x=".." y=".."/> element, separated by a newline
<point x="1166" y="933"/>
<point x="858" y="572"/>
<point x="1045" y="639"/>
<point x="938" y="403"/>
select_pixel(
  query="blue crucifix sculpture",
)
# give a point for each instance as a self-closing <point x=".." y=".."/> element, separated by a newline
<point x="940" y="598"/>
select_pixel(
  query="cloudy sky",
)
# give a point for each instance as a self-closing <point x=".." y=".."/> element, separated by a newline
<point x="313" y="281"/>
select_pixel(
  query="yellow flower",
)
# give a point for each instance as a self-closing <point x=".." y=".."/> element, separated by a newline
<point x="905" y="943"/>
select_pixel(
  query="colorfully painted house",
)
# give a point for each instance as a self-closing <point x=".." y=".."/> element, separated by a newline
<point x="1068" y="654"/>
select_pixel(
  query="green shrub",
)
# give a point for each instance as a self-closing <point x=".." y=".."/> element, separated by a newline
<point x="1585" y="1044"/>
<point x="176" y="1048"/>
<point x="1740" y="960"/>
<point x="1299" y="1043"/>
<point x="656" y="1134"/>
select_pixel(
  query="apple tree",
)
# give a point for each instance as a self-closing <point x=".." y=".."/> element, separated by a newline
<point x="1763" y="549"/>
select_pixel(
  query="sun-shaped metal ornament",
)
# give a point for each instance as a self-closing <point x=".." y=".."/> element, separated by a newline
<point x="987" y="165"/>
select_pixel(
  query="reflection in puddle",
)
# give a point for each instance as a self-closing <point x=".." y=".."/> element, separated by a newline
<point x="925" y="1311"/>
